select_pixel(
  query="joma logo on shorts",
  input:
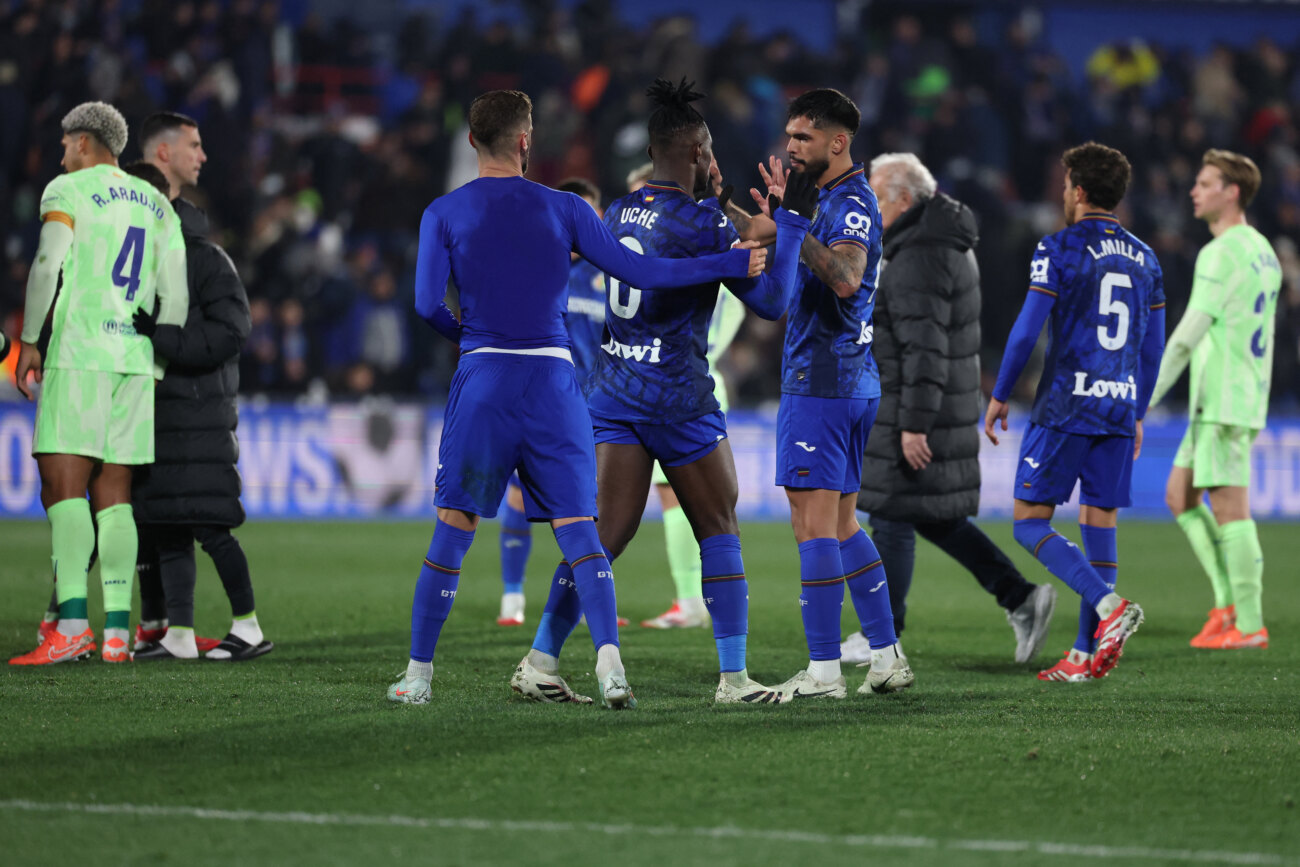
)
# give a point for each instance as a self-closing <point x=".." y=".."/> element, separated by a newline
<point x="1104" y="387"/>
<point x="636" y="353"/>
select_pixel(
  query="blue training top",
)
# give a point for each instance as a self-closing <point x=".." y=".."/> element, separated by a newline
<point x="586" y="316"/>
<point x="828" y="338"/>
<point x="506" y="243"/>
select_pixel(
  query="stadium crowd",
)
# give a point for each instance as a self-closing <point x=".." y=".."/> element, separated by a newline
<point x="326" y="141"/>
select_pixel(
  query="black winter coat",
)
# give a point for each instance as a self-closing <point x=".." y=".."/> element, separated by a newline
<point x="193" y="479"/>
<point x="927" y="340"/>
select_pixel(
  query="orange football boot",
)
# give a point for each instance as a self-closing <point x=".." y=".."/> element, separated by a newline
<point x="1221" y="620"/>
<point x="1234" y="640"/>
<point x="58" y="648"/>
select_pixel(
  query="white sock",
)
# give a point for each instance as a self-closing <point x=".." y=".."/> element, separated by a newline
<point x="824" y="670"/>
<point x="1078" y="657"/>
<point x="736" y="678"/>
<point x="694" y="606"/>
<point x="71" y="628"/>
<point x="885" y="656"/>
<point x="122" y="635"/>
<point x="1106" y="607"/>
<point x="607" y="661"/>
<point x="179" y="642"/>
<point x="543" y="662"/>
<point x="423" y="670"/>
<point x="151" y="625"/>
<point x="246" y="628"/>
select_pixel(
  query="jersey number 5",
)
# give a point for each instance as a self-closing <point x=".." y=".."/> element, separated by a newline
<point x="131" y="255"/>
<point x="1111" y="305"/>
<point x="628" y="310"/>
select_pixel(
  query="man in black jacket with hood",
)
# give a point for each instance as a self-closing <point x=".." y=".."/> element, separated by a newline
<point x="921" y="472"/>
<point x="191" y="491"/>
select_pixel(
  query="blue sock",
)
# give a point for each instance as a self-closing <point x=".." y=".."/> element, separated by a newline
<point x="1103" y="555"/>
<point x="864" y="572"/>
<point x="516" y="543"/>
<point x="562" y="612"/>
<point x="435" y="591"/>
<point x="822" y="578"/>
<point x="726" y="595"/>
<point x="594" y="577"/>
<point x="1062" y="558"/>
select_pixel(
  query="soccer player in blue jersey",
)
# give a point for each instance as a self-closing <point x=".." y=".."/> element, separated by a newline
<point x="829" y="393"/>
<point x="651" y="395"/>
<point x="585" y="321"/>
<point x="514" y="402"/>
<point x="1102" y="292"/>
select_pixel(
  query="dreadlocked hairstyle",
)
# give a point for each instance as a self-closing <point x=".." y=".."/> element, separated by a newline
<point x="673" y="114"/>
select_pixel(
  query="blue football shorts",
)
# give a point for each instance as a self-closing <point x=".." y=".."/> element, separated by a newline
<point x="820" y="441"/>
<point x="1051" y="461"/>
<point x="673" y="445"/>
<point x="524" y="412"/>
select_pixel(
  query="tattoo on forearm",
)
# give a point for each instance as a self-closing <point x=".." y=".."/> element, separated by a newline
<point x="841" y="268"/>
<point x="742" y="220"/>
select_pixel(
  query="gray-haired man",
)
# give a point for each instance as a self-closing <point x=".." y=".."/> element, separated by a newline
<point x="920" y="472"/>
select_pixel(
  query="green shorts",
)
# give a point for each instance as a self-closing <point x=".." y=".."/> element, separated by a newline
<point x="1217" y="454"/>
<point x="105" y="416"/>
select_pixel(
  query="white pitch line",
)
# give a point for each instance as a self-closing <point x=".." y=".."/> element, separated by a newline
<point x="870" y="841"/>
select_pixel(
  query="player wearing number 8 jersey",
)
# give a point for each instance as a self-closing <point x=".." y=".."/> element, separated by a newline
<point x="1102" y="291"/>
<point x="119" y="245"/>
<point x="1227" y="333"/>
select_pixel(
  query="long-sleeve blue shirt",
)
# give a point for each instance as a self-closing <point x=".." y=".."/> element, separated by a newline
<point x="506" y="243"/>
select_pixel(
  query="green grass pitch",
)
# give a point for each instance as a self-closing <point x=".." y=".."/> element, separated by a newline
<point x="1178" y="757"/>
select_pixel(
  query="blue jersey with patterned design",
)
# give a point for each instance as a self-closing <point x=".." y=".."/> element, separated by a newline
<point x="1105" y="282"/>
<point x="585" y="318"/>
<point x="653" y="367"/>
<point x="828" y="338"/>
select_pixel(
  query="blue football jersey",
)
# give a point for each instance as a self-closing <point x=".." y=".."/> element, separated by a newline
<point x="828" y="338"/>
<point x="585" y="318"/>
<point x="653" y="365"/>
<point x="1105" y="282"/>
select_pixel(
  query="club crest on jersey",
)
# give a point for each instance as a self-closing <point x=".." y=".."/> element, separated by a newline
<point x="1104" y="387"/>
<point x="648" y="354"/>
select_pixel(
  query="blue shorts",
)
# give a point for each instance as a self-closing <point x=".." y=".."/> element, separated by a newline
<point x="525" y="412"/>
<point x="820" y="441"/>
<point x="1052" y="461"/>
<point x="673" y="445"/>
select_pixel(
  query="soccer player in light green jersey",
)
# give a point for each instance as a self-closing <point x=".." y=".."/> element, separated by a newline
<point x="1227" y="334"/>
<point x="118" y="244"/>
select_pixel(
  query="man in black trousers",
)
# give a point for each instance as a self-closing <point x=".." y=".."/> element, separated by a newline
<point x="191" y="491"/>
<point x="921" y="472"/>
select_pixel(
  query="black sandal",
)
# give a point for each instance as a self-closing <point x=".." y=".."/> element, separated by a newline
<point x="239" y="649"/>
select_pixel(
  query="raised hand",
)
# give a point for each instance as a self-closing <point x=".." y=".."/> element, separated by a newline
<point x="800" y="195"/>
<point x="774" y="178"/>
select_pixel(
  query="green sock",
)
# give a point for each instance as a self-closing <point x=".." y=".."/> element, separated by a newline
<point x="683" y="553"/>
<point x="1245" y="560"/>
<point x="118" y="545"/>
<point x="1203" y="533"/>
<point x="73" y="541"/>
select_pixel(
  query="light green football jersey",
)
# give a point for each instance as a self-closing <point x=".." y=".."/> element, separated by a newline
<point x="727" y="318"/>
<point x="122" y="230"/>
<point x="1237" y="282"/>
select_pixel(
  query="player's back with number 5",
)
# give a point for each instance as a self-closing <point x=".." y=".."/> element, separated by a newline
<point x="123" y="230"/>
<point x="1105" y="282"/>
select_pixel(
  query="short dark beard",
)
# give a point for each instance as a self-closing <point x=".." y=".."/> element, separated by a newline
<point x="816" y="168"/>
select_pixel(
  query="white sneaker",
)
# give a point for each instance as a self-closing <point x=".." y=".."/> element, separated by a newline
<point x="746" y="692"/>
<point x="855" y="649"/>
<point x="512" y="610"/>
<point x="889" y="671"/>
<point x="615" y="694"/>
<point x="539" y="686"/>
<point x="803" y="685"/>
<point x="678" y="617"/>
<point x="409" y="690"/>
<point x="1031" y="620"/>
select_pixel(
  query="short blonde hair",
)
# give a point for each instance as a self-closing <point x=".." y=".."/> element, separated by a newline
<point x="1236" y="169"/>
<point x="639" y="175"/>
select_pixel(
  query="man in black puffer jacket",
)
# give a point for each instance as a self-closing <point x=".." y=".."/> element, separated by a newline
<point x="191" y="491"/>
<point x="921" y="472"/>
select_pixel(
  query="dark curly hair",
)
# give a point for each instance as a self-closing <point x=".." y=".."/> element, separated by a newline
<point x="674" y="115"/>
<point x="1102" y="171"/>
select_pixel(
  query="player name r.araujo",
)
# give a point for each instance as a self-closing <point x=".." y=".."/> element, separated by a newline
<point x="1104" y="387"/>
<point x="122" y="194"/>
<point x="1112" y="247"/>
